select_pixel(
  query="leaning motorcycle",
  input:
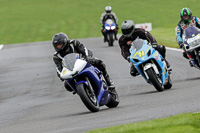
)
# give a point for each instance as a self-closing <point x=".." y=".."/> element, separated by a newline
<point x="88" y="82"/>
<point x="150" y="64"/>
<point x="110" y="30"/>
<point x="192" y="46"/>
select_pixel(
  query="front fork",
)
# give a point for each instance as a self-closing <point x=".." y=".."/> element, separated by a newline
<point x="90" y="87"/>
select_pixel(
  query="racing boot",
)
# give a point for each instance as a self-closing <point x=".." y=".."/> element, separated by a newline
<point x="116" y="37"/>
<point x="133" y="71"/>
<point x="104" y="35"/>
<point x="190" y="62"/>
<point x="167" y="63"/>
<point x="104" y="39"/>
<point x="185" y="54"/>
<point x="109" y="82"/>
<point x="116" y="33"/>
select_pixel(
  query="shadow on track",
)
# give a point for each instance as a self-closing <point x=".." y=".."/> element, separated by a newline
<point x="84" y="113"/>
<point x="145" y="93"/>
<point x="189" y="79"/>
<point x="197" y="78"/>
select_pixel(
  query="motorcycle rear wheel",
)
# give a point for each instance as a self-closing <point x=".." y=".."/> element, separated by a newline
<point x="114" y="99"/>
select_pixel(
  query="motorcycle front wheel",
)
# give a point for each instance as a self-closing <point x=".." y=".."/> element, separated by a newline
<point x="155" y="79"/>
<point x="110" y="39"/>
<point x="88" y="97"/>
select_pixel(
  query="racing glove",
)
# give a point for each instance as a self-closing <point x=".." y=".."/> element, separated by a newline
<point x="181" y="44"/>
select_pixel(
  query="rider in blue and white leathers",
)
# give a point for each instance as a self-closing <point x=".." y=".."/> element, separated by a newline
<point x="187" y="20"/>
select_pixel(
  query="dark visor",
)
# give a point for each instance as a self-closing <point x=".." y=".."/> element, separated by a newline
<point x="127" y="31"/>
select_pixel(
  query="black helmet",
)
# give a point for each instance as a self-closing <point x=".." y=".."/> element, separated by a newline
<point x="59" y="41"/>
<point x="127" y="28"/>
<point x="108" y="9"/>
<point x="186" y="12"/>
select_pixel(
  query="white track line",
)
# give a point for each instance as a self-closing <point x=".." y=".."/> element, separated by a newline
<point x="175" y="49"/>
<point x="1" y="46"/>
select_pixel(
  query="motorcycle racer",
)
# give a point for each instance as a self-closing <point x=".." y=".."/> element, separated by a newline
<point x="129" y="34"/>
<point x="187" y="20"/>
<point x="64" y="46"/>
<point x="108" y="14"/>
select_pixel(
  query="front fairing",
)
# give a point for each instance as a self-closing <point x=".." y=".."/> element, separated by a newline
<point x="192" y="38"/>
<point x="109" y="25"/>
<point x="72" y="65"/>
<point x="74" y="72"/>
<point x="192" y="43"/>
<point x="144" y="53"/>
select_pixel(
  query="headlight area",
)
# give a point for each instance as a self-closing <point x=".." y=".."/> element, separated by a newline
<point x="195" y="43"/>
<point x="107" y="27"/>
<point x="113" y="27"/>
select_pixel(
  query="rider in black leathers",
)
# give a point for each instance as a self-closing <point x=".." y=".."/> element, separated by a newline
<point x="64" y="46"/>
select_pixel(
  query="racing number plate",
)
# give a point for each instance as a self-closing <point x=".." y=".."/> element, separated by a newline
<point x="139" y="54"/>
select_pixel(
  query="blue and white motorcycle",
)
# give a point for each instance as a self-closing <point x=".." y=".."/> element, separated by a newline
<point x="88" y="82"/>
<point x="110" y="30"/>
<point x="150" y="64"/>
<point x="192" y="46"/>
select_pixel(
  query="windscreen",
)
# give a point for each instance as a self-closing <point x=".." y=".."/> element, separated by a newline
<point x="69" y="60"/>
<point x="191" y="32"/>
<point x="109" y="21"/>
<point x="137" y="44"/>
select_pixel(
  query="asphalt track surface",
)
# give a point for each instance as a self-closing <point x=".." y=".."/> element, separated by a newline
<point x="33" y="99"/>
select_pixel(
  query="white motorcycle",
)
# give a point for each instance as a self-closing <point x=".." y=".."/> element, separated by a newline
<point x="192" y="46"/>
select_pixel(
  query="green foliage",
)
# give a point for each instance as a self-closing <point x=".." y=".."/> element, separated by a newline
<point x="39" y="20"/>
<point x="183" y="123"/>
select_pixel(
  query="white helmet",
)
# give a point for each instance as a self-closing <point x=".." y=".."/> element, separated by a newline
<point x="108" y="9"/>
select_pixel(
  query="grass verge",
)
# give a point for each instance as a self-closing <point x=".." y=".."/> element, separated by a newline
<point x="38" y="20"/>
<point x="182" y="123"/>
